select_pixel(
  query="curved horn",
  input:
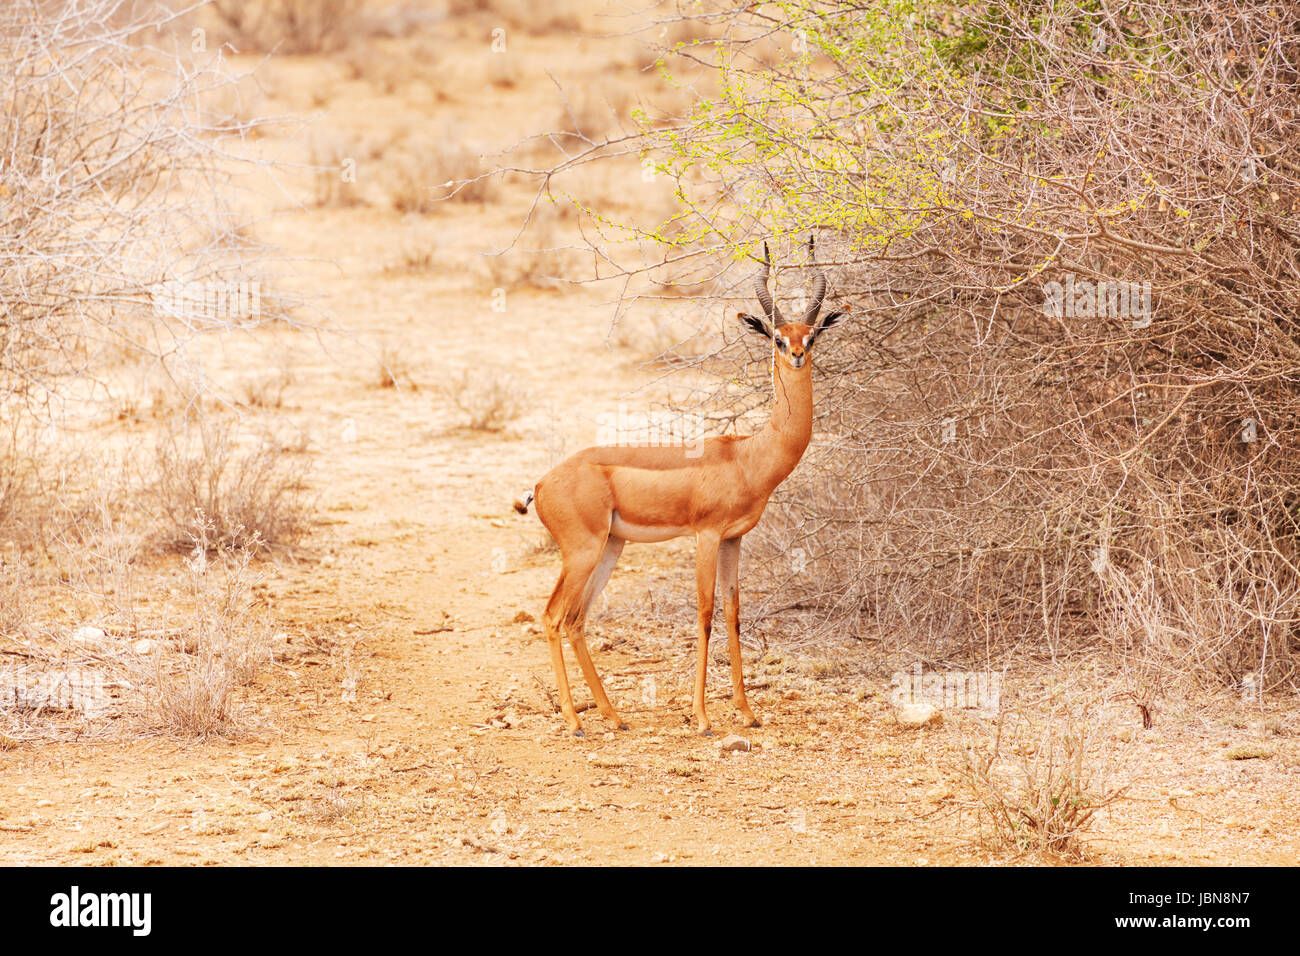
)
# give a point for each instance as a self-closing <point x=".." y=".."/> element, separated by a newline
<point x="818" y="290"/>
<point x="773" y="313"/>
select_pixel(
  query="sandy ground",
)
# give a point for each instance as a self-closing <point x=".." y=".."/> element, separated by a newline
<point x="420" y="729"/>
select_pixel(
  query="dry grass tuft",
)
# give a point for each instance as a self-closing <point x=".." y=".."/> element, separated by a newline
<point x="191" y="693"/>
<point x="266" y="390"/>
<point x="290" y="26"/>
<point x="394" y="368"/>
<point x="237" y="498"/>
<point x="1033" y="782"/>
<point x="490" y="401"/>
<point x="436" y="170"/>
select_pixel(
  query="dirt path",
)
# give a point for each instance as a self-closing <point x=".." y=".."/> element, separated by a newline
<point x="425" y="734"/>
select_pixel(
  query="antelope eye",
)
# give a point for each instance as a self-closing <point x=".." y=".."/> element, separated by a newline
<point x="782" y="344"/>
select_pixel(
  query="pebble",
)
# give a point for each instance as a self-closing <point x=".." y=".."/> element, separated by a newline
<point x="89" y="635"/>
<point x="915" y="716"/>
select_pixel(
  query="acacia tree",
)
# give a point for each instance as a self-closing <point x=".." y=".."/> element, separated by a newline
<point x="1066" y="411"/>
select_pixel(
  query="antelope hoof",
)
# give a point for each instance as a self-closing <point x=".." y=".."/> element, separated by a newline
<point x="749" y="720"/>
<point x="579" y="733"/>
<point x="622" y="726"/>
<point x="706" y="731"/>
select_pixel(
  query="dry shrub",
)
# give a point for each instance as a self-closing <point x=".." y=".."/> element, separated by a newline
<point x="290" y="26"/>
<point x="1033" y="780"/>
<point x="17" y="480"/>
<point x="504" y="72"/>
<point x="535" y="18"/>
<point x="390" y="68"/>
<point x="266" y="390"/>
<point x="190" y="693"/>
<point x="145" y="388"/>
<point x="415" y="260"/>
<point x="439" y="169"/>
<point x="14" y="580"/>
<point x="191" y="698"/>
<point x="112" y="185"/>
<point x="333" y="187"/>
<point x="538" y="259"/>
<point x="980" y="447"/>
<point x="207" y="486"/>
<point x="490" y="401"/>
<point x="594" y="113"/>
<point x="655" y="335"/>
<point x="394" y="368"/>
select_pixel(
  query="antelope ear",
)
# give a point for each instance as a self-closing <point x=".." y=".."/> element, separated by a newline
<point x="832" y="318"/>
<point x="755" y="324"/>
<point x="828" y="320"/>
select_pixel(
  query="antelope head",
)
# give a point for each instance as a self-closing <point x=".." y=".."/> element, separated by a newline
<point x="791" y="341"/>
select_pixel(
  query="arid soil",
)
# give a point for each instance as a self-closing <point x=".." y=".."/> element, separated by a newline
<point x="414" y="723"/>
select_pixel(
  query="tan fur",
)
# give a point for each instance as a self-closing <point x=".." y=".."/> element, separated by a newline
<point x="716" y="490"/>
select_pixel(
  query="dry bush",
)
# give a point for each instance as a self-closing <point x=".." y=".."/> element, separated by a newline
<point x="534" y="18"/>
<point x="190" y="698"/>
<point x="504" y="72"/>
<point x="17" y="482"/>
<point x="145" y="387"/>
<point x="267" y="389"/>
<point x="100" y="543"/>
<point x="980" y="446"/>
<point x="415" y="260"/>
<point x="290" y="26"/>
<point x="237" y="497"/>
<point x="113" y="188"/>
<point x="538" y="259"/>
<point x="490" y="401"/>
<point x="390" y="68"/>
<point x="1034" y="782"/>
<point x="14" y="580"/>
<point x="594" y="113"/>
<point x="334" y="183"/>
<point x="438" y="169"/>
<point x="394" y="368"/>
<point x="190" y="693"/>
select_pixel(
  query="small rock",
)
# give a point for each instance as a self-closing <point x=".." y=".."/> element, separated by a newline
<point x="938" y="794"/>
<point x="144" y="646"/>
<point x="734" y="743"/>
<point x="523" y="617"/>
<point x="915" y="716"/>
<point x="89" y="635"/>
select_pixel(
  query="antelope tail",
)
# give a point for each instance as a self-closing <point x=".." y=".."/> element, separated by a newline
<point x="522" y="506"/>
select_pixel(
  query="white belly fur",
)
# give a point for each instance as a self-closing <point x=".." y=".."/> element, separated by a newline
<point x="643" y="533"/>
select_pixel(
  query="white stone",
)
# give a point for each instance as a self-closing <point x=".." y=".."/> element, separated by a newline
<point x="915" y="716"/>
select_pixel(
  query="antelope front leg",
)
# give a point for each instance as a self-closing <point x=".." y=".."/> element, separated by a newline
<point x="729" y="572"/>
<point x="706" y="573"/>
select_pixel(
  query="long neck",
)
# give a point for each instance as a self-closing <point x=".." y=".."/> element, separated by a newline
<point x="777" y="448"/>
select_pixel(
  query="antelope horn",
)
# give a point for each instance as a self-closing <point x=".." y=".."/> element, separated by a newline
<point x="818" y="290"/>
<point x="773" y="313"/>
